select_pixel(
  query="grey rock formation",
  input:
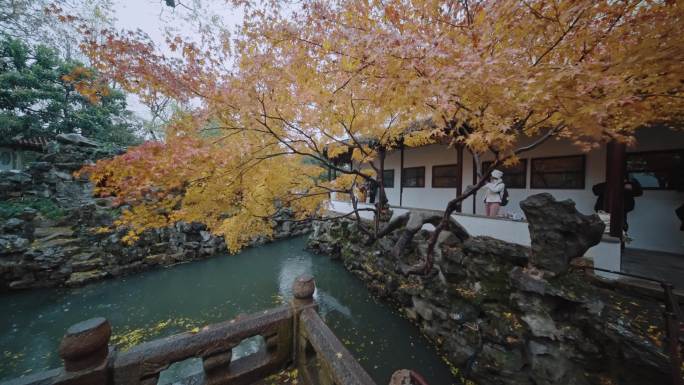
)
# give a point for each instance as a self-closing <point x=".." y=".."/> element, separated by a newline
<point x="501" y="319"/>
<point x="559" y="233"/>
<point x="411" y="223"/>
<point x="36" y="251"/>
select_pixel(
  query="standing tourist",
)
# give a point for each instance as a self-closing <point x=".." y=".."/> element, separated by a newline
<point x="372" y="190"/>
<point x="493" y="191"/>
<point x="631" y="189"/>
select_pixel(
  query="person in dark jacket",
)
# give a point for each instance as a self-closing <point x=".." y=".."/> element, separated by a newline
<point x="680" y="214"/>
<point x="372" y="189"/>
<point x="632" y="189"/>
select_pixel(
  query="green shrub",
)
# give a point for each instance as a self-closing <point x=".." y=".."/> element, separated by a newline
<point x="48" y="208"/>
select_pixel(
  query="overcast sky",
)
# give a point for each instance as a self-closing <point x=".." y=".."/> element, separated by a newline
<point x="154" y="17"/>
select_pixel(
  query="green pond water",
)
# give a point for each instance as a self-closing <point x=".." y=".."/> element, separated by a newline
<point x="163" y="302"/>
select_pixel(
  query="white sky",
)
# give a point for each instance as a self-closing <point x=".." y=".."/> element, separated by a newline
<point x="153" y="17"/>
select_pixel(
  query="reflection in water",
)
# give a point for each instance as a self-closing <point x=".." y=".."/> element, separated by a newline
<point x="168" y="301"/>
<point x="328" y="303"/>
<point x="293" y="267"/>
<point x="290" y="269"/>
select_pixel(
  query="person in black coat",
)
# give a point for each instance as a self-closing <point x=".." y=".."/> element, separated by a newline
<point x="632" y="188"/>
<point x="680" y="214"/>
<point x="372" y="189"/>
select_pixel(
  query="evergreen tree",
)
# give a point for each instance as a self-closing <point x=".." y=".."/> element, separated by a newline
<point x="42" y="94"/>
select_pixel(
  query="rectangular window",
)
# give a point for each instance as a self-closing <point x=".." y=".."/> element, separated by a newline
<point x="657" y="170"/>
<point x="445" y="176"/>
<point x="514" y="176"/>
<point x="388" y="178"/>
<point x="413" y="177"/>
<point x="563" y="172"/>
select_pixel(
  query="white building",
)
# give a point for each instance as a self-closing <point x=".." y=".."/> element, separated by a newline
<point x="428" y="177"/>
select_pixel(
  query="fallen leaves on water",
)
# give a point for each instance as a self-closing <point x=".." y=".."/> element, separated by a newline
<point x="126" y="339"/>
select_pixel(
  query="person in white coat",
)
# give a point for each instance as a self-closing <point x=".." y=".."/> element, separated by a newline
<point x="493" y="192"/>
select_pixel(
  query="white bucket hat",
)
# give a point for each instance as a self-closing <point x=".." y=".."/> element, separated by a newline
<point x="497" y="174"/>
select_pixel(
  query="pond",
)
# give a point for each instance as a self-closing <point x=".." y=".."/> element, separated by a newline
<point x="163" y="302"/>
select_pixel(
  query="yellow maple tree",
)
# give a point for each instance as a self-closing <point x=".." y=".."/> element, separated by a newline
<point x="351" y="79"/>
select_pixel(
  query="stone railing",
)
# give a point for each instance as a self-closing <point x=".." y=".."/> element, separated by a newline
<point x="295" y="337"/>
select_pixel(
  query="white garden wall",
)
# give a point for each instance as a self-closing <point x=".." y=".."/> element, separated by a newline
<point x="653" y="224"/>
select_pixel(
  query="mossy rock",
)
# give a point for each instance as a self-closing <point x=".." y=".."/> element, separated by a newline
<point x="46" y="207"/>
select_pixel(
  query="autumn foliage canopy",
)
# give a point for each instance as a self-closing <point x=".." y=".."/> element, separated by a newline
<point x="297" y="86"/>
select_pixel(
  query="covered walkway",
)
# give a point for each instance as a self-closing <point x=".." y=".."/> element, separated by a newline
<point x="655" y="264"/>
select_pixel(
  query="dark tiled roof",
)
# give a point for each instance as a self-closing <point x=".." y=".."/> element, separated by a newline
<point x="38" y="143"/>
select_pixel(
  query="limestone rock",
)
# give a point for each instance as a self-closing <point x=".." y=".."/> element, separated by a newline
<point x="68" y="249"/>
<point x="10" y="244"/>
<point x="530" y="280"/>
<point x="558" y="231"/>
<point x="462" y="345"/>
<point x="81" y="278"/>
<point x="45" y="234"/>
<point x="503" y="321"/>
<point x="18" y="226"/>
<point x="491" y="248"/>
<point x="90" y="264"/>
<point x="26" y="281"/>
<point x="423" y="308"/>
<point x="15" y="177"/>
<point x="550" y="365"/>
<point x="504" y="363"/>
<point x="541" y="325"/>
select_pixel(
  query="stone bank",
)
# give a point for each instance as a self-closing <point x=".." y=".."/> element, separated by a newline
<point x="63" y="247"/>
<point x="508" y="314"/>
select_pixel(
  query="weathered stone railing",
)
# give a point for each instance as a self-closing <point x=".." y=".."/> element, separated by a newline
<point x="294" y="335"/>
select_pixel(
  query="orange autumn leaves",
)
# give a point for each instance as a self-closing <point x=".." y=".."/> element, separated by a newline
<point x="87" y="84"/>
<point x="293" y="84"/>
<point x="199" y="178"/>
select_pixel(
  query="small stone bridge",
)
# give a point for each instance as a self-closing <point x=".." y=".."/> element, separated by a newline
<point x="295" y="337"/>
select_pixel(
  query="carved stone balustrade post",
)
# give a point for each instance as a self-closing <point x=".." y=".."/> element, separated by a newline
<point x="303" y="290"/>
<point x="85" y="352"/>
<point x="86" y="345"/>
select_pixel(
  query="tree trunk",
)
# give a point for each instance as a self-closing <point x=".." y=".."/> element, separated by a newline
<point x="380" y="193"/>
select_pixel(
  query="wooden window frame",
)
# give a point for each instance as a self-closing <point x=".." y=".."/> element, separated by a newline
<point x="524" y="174"/>
<point x="584" y="172"/>
<point x="627" y="155"/>
<point x="384" y="180"/>
<point x="444" y="165"/>
<point x="403" y="177"/>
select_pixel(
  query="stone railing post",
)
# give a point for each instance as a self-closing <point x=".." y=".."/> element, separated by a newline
<point x="85" y="348"/>
<point x="303" y="289"/>
<point x="407" y="377"/>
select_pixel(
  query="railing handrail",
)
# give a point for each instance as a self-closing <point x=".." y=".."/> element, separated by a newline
<point x="343" y="368"/>
<point x="148" y="359"/>
<point x="281" y="327"/>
